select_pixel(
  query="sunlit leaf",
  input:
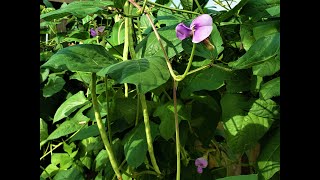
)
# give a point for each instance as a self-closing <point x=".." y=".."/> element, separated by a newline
<point x="43" y="130"/>
<point x="70" y="105"/>
<point x="269" y="158"/>
<point x="264" y="49"/>
<point x="147" y="73"/>
<point x="270" y="89"/>
<point x="77" y="8"/>
<point x="150" y="46"/>
<point x="81" y="57"/>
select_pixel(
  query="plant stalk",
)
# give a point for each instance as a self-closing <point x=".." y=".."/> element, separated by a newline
<point x="178" y="148"/>
<point x="148" y="132"/>
<point x="101" y="127"/>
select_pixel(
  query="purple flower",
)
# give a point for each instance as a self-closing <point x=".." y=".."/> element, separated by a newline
<point x="200" y="28"/>
<point x="201" y="163"/>
<point x="97" y="31"/>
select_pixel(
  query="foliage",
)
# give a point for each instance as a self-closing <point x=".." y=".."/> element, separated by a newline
<point x="115" y="92"/>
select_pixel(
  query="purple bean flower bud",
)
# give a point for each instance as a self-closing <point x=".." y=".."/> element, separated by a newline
<point x="98" y="31"/>
<point x="200" y="28"/>
<point x="201" y="163"/>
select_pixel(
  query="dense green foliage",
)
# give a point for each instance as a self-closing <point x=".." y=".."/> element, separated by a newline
<point x="114" y="92"/>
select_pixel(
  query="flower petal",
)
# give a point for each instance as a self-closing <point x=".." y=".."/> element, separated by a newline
<point x="100" y="28"/>
<point x="202" y="26"/>
<point x="93" y="32"/>
<point x="201" y="162"/>
<point x="199" y="170"/>
<point x="201" y="33"/>
<point x="182" y="31"/>
<point x="202" y="20"/>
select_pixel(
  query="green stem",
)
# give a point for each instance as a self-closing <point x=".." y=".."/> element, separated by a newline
<point x="158" y="38"/>
<point x="138" y="109"/>
<point x="62" y="142"/>
<point x="199" y="7"/>
<point x="144" y="172"/>
<point x="177" y="129"/>
<point x="181" y="77"/>
<point x="130" y="37"/>
<point x="126" y="42"/>
<point x="199" y="69"/>
<point x="108" y="115"/>
<point x="148" y="132"/>
<point x="173" y="9"/>
<point x="101" y="127"/>
<point x="143" y="6"/>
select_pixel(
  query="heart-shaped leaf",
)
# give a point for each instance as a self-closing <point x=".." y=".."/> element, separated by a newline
<point x="82" y="57"/>
<point x="147" y="73"/>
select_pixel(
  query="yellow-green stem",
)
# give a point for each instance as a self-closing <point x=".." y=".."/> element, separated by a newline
<point x="173" y="9"/>
<point x="126" y="42"/>
<point x="199" y="7"/>
<point x="148" y="132"/>
<point x="101" y="128"/>
<point x="177" y="129"/>
<point x="107" y="109"/>
<point x="181" y="77"/>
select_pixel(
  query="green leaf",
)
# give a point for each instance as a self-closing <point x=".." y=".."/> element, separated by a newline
<point x="232" y="12"/>
<point x="125" y="108"/>
<point x="44" y="74"/>
<point x="51" y="169"/>
<point x="265" y="108"/>
<point x="86" y="132"/>
<point x="267" y="68"/>
<point x="258" y="9"/>
<point x="79" y="9"/>
<point x="55" y="84"/>
<point x="201" y="49"/>
<point x="261" y="29"/>
<point x="246" y="35"/>
<point x="81" y="57"/>
<point x="233" y="105"/>
<point x="191" y="4"/>
<point x="102" y="159"/>
<point x="166" y="114"/>
<point x="135" y="144"/>
<point x="270" y="89"/>
<point x="241" y="177"/>
<point x="65" y="128"/>
<point x="146" y="73"/>
<point x="69" y="148"/>
<point x="239" y="81"/>
<point x="43" y="130"/>
<point x="208" y="79"/>
<point x="82" y="77"/>
<point x="168" y="18"/>
<point x="264" y="49"/>
<point x="162" y="2"/>
<point x="72" y="173"/>
<point x="245" y="127"/>
<point x="62" y="159"/>
<point x="269" y="158"/>
<point x="150" y="46"/>
<point x="243" y="132"/>
<point x="70" y="105"/>
<point x="216" y="39"/>
<point x="274" y="11"/>
<point x="119" y="3"/>
<point x="117" y="34"/>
